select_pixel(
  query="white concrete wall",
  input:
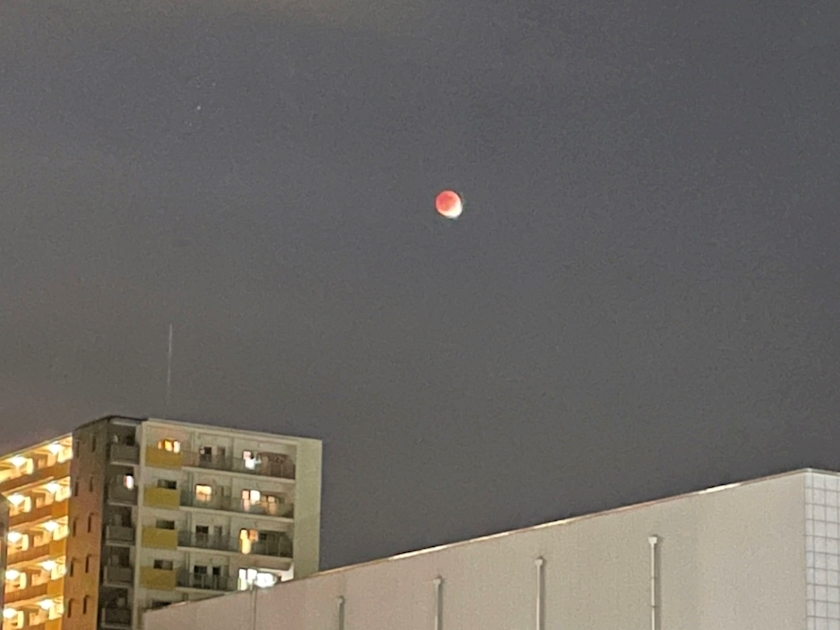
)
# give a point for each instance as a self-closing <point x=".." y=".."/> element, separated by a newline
<point x="729" y="559"/>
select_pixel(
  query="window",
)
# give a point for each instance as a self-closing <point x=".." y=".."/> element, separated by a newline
<point x="203" y="492"/>
<point x="88" y="563"/>
<point x="90" y="523"/>
<point x="173" y="446"/>
<point x="90" y="484"/>
<point x="76" y="488"/>
<point x="85" y="604"/>
<point x="72" y="569"/>
<point x="71" y="606"/>
<point x="161" y="524"/>
<point x="251" y="496"/>
<point x="206" y="451"/>
<point x="128" y="482"/>
<point x="250" y="459"/>
<point x="93" y="444"/>
<point x="167" y="483"/>
<point x="75" y="526"/>
<point x="165" y="565"/>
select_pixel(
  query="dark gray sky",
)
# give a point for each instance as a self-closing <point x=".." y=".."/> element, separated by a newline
<point x="640" y="298"/>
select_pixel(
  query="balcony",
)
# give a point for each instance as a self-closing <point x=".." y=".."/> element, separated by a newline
<point x="53" y="588"/>
<point x="113" y="617"/>
<point x="204" y="582"/>
<point x="50" y="511"/>
<point x="124" y="454"/>
<point x="160" y="458"/>
<point x="275" y="470"/>
<point x="53" y="549"/>
<point x="118" y="575"/>
<point x="118" y="535"/>
<point x="119" y="494"/>
<point x="52" y="624"/>
<point x="157" y="579"/>
<point x="167" y="498"/>
<point x="157" y="538"/>
<point x="275" y="549"/>
<point x="231" y="504"/>
<point x="39" y="475"/>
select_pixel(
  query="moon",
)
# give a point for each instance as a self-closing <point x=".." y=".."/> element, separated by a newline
<point x="448" y="204"/>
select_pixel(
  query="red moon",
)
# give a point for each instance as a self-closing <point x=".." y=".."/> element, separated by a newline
<point x="448" y="204"/>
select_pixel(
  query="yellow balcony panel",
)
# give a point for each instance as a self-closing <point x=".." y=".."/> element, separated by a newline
<point x="54" y="549"/>
<point x="161" y="497"/>
<point x="158" y="579"/>
<point x="52" y="624"/>
<point x="56" y="471"/>
<point x="160" y="538"/>
<point x="159" y="458"/>
<point x="53" y="588"/>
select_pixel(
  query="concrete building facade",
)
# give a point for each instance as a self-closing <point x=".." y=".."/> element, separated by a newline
<point x="133" y="514"/>
<point x="763" y="554"/>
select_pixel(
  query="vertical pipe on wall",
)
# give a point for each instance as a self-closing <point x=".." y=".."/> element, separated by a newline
<point x="253" y="607"/>
<point x="340" y="605"/>
<point x="653" y="540"/>
<point x="438" y="603"/>
<point x="539" y="562"/>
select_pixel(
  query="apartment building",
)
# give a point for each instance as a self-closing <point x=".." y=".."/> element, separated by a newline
<point x="125" y="515"/>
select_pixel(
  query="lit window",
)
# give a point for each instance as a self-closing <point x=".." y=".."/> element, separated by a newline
<point x="19" y="460"/>
<point x="128" y="481"/>
<point x="53" y="487"/>
<point x="173" y="446"/>
<point x="203" y="492"/>
<point x="250" y="460"/>
<point x="251" y="496"/>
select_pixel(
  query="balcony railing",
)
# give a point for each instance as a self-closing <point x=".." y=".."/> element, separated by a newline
<point x="51" y="549"/>
<point x="118" y="493"/>
<point x="124" y="453"/>
<point x="118" y="575"/>
<point x="52" y="588"/>
<point x="232" y="504"/>
<point x="204" y="582"/>
<point x="54" y="510"/>
<point x="119" y="534"/>
<point x="278" y="549"/>
<point x="51" y="471"/>
<point x="277" y="470"/>
<point x="112" y="617"/>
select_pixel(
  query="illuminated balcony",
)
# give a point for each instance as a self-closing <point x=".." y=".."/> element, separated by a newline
<point x="157" y="579"/>
<point x="53" y="549"/>
<point x="278" y="467"/>
<point x="39" y="475"/>
<point x="36" y="465"/>
<point x="50" y="511"/>
<point x="53" y="588"/>
<point x="52" y="624"/>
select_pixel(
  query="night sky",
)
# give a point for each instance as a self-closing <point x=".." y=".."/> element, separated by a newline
<point x="640" y="298"/>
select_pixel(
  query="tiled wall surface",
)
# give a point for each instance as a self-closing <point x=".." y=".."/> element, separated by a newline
<point x="822" y="547"/>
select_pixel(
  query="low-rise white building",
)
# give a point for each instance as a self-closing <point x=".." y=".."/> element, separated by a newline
<point x="763" y="554"/>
